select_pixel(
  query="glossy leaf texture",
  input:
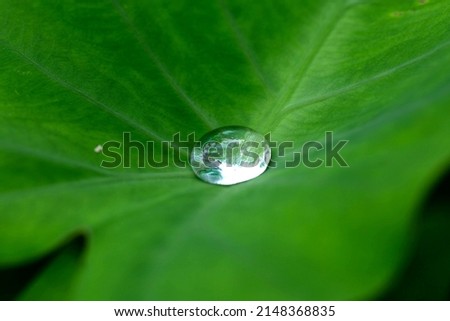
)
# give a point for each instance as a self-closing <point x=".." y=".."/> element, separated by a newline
<point x="76" y="74"/>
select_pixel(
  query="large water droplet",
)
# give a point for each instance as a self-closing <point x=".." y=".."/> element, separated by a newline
<point x="230" y="155"/>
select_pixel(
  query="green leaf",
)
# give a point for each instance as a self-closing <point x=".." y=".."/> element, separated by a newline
<point x="76" y="74"/>
<point x="426" y="276"/>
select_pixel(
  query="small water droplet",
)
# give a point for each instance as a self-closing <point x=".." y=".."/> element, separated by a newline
<point x="230" y="155"/>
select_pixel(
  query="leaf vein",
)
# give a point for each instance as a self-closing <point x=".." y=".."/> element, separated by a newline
<point x="358" y="84"/>
<point x="244" y="45"/>
<point x="176" y="87"/>
<point x="287" y="94"/>
<point x="81" y="93"/>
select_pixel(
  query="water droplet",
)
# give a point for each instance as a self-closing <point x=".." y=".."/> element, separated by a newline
<point x="230" y="155"/>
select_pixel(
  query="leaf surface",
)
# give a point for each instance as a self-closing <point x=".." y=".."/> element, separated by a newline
<point x="77" y="74"/>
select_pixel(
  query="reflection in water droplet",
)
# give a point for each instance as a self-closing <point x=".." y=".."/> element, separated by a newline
<point x="230" y="155"/>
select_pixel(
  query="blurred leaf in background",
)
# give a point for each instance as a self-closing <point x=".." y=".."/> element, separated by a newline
<point x="76" y="74"/>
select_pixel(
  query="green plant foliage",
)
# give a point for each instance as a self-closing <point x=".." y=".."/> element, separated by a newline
<point x="75" y="74"/>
